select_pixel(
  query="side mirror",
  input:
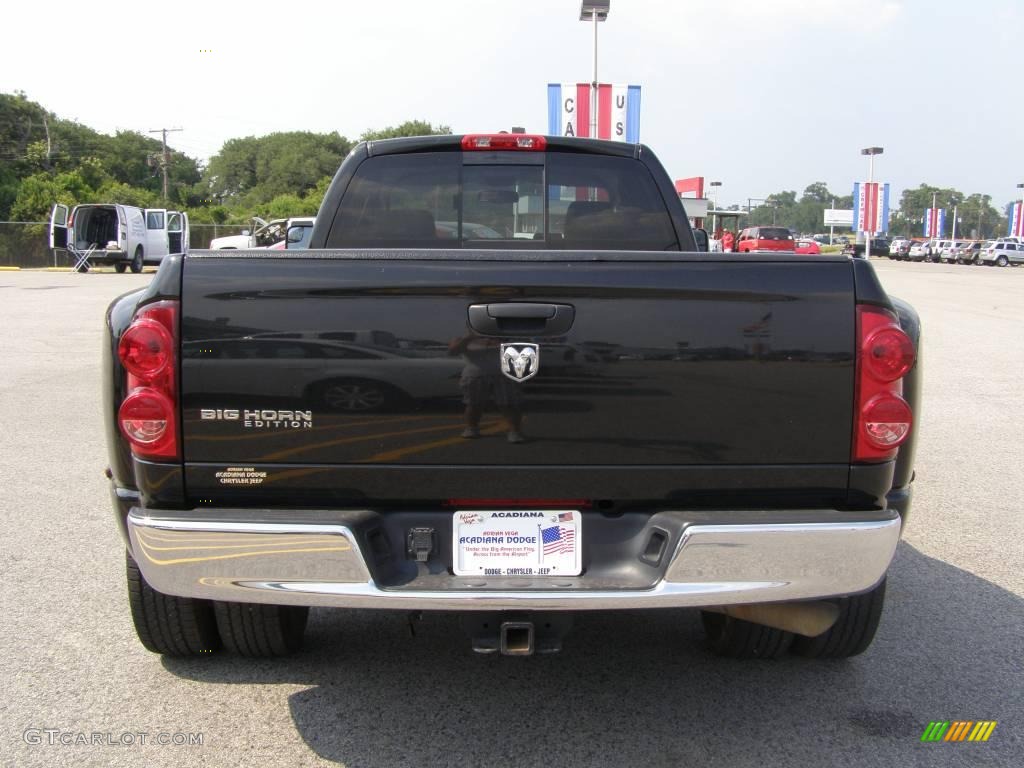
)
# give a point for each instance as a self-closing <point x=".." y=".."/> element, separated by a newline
<point x="295" y="234"/>
<point x="246" y="232"/>
<point x="701" y="236"/>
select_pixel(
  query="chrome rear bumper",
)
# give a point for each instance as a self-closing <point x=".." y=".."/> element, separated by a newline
<point x="321" y="564"/>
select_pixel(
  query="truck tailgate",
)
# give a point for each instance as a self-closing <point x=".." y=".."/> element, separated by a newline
<point x="355" y="358"/>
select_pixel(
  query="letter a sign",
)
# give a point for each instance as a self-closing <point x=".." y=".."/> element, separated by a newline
<point x="618" y="111"/>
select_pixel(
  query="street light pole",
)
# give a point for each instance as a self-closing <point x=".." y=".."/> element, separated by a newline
<point x="870" y="152"/>
<point x="714" y="191"/>
<point x="594" y="11"/>
<point x="714" y="202"/>
<point x="832" y="227"/>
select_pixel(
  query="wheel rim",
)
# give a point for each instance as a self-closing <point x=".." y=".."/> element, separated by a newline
<point x="353" y="397"/>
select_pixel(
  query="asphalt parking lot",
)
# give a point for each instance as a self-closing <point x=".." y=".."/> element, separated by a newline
<point x="629" y="689"/>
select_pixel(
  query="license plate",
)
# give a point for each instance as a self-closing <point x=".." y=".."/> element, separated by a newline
<point x="517" y="543"/>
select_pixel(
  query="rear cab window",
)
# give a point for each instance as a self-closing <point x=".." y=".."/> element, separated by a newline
<point x="560" y="200"/>
<point x="775" y="233"/>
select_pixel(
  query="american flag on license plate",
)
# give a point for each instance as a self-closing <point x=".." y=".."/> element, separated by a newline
<point x="557" y="538"/>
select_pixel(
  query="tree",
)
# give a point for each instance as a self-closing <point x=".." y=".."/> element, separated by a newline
<point x="817" y="193"/>
<point x="252" y="171"/>
<point x="975" y="212"/>
<point x="33" y="141"/>
<point x="408" y="128"/>
<point x="38" y="193"/>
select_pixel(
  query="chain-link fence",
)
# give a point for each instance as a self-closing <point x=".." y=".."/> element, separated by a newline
<point x="26" y="244"/>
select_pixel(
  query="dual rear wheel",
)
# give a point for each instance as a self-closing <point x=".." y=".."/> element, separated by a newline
<point x="184" y="626"/>
<point x="859" y="616"/>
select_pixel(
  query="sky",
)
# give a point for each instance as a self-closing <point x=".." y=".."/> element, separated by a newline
<point x="762" y="95"/>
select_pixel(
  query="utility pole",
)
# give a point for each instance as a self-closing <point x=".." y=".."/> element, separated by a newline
<point x="165" y="156"/>
<point x="49" y="145"/>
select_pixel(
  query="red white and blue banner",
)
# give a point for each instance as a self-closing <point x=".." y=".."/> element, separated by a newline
<point x="618" y="111"/>
<point x="871" y="206"/>
<point x="1016" y="220"/>
<point x="934" y="222"/>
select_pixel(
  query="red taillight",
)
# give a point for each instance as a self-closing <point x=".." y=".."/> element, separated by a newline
<point x="518" y="141"/>
<point x="147" y="419"/>
<point x="148" y="352"/>
<point x="145" y="349"/>
<point x="888" y="354"/>
<point x="885" y="354"/>
<point x="887" y="420"/>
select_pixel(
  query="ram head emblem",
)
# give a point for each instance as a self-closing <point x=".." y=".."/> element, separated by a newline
<point x="520" y="361"/>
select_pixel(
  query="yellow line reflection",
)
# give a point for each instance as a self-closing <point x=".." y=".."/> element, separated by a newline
<point x="278" y="455"/>
<point x="235" y="555"/>
<point x="492" y="429"/>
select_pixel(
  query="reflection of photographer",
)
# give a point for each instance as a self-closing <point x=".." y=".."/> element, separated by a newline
<point x="481" y="380"/>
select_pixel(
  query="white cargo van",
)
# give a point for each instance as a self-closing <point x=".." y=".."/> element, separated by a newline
<point x="121" y="235"/>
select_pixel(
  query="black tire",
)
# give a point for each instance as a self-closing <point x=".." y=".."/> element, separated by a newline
<point x="1002" y="261"/>
<point x="261" y="631"/>
<point x="138" y="262"/>
<point x="120" y="268"/>
<point x="357" y="396"/>
<point x="859" y="617"/>
<point x="173" y="626"/>
<point x="738" y="639"/>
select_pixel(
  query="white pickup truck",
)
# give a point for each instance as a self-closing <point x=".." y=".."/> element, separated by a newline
<point x="263" y="234"/>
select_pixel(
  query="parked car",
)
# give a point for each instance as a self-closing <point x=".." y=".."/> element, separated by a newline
<point x="919" y="251"/>
<point x="950" y="249"/>
<point x="765" y="239"/>
<point x="1002" y="253"/>
<point x="899" y="247"/>
<point x="879" y="246"/>
<point x="449" y="230"/>
<point x="979" y="246"/>
<point x="967" y="251"/>
<point x="328" y="374"/>
<point x="935" y="249"/>
<point x="808" y="247"/>
<point x="120" y="235"/>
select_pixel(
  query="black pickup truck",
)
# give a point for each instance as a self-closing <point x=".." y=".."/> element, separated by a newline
<point x="502" y="381"/>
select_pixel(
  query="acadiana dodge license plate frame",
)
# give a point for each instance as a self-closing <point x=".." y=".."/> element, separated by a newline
<point x="528" y="542"/>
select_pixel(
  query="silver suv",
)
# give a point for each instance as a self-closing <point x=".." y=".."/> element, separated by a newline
<point x="1002" y="253"/>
